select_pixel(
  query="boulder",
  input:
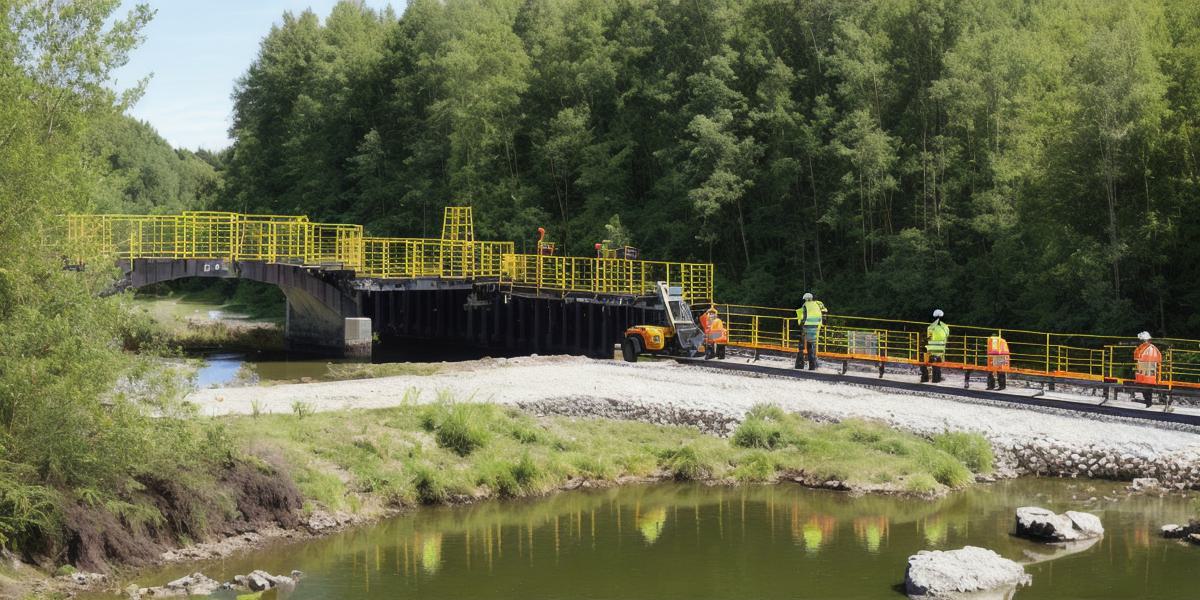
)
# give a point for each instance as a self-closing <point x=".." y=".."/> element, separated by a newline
<point x="977" y="572"/>
<point x="257" y="581"/>
<point x="1174" y="531"/>
<point x="1143" y="484"/>
<point x="1087" y="524"/>
<point x="1043" y="525"/>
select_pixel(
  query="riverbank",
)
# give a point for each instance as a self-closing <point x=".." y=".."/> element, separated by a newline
<point x="345" y="452"/>
<point x="306" y="473"/>
<point x="1025" y="440"/>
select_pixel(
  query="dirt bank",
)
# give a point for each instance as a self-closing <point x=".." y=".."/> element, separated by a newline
<point x="1034" y="441"/>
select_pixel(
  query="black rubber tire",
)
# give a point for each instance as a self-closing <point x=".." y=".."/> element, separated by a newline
<point x="630" y="348"/>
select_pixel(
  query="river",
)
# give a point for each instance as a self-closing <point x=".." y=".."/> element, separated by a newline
<point x="694" y="541"/>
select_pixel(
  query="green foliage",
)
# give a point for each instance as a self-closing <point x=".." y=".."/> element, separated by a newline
<point x="1013" y="164"/>
<point x="429" y="485"/>
<point x="758" y="433"/>
<point x="972" y="449"/>
<point x="755" y="467"/>
<point x="460" y="427"/>
<point x="301" y="409"/>
<point x="146" y="175"/>
<point x="686" y="463"/>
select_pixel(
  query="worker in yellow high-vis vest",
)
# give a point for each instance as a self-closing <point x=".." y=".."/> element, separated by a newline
<point x="937" y="334"/>
<point x="810" y="317"/>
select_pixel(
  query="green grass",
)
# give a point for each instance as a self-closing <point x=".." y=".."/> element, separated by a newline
<point x="450" y="450"/>
<point x="973" y="450"/>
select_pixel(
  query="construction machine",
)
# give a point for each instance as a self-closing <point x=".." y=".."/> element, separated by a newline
<point x="680" y="336"/>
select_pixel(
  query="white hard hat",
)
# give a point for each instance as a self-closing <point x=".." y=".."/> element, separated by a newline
<point x="808" y="296"/>
<point x="1144" y="336"/>
<point x="937" y="314"/>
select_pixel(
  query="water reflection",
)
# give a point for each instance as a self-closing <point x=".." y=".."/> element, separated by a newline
<point x="694" y="541"/>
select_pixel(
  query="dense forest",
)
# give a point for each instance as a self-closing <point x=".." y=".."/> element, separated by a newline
<point x="144" y="174"/>
<point x="1012" y="161"/>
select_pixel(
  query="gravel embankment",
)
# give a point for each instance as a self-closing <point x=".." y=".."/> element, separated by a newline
<point x="1040" y="441"/>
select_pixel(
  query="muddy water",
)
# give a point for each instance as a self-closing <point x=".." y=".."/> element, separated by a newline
<point x="687" y="541"/>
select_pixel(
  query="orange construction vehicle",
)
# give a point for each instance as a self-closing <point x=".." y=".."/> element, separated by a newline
<point x="679" y="336"/>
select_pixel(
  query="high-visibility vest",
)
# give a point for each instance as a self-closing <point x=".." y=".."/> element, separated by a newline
<point x="938" y="332"/>
<point x="715" y="332"/>
<point x="704" y="320"/>
<point x="1148" y="358"/>
<point x="997" y="350"/>
<point x="811" y="314"/>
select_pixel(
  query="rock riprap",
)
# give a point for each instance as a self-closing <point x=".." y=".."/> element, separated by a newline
<point x="1042" y="525"/>
<point x="198" y="584"/>
<point x="967" y="572"/>
<point x="1189" y="532"/>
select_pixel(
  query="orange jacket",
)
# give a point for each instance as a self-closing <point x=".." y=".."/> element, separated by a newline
<point x="715" y="331"/>
<point x="1147" y="352"/>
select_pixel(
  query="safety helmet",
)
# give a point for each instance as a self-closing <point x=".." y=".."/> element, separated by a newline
<point x="808" y="296"/>
<point x="711" y="309"/>
<point x="1144" y="336"/>
<point x="937" y="314"/>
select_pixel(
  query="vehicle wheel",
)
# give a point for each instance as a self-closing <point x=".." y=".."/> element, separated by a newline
<point x="630" y="348"/>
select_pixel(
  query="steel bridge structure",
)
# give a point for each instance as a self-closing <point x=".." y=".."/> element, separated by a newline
<point x="484" y="292"/>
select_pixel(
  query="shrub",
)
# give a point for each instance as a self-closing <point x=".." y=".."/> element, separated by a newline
<point x="428" y="483"/>
<point x="463" y="428"/>
<point x="767" y="412"/>
<point x="756" y="466"/>
<point x="301" y="409"/>
<point x="686" y="464"/>
<point x="921" y="483"/>
<point x="756" y="432"/>
<point x="525" y="472"/>
<point x="971" y="448"/>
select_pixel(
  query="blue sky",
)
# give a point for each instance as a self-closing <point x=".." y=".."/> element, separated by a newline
<point x="195" y="50"/>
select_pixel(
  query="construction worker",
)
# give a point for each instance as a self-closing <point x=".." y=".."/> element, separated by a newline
<point x="1148" y="359"/>
<point x="810" y="316"/>
<point x="938" y="332"/>
<point x="715" y="335"/>
<point x="998" y="362"/>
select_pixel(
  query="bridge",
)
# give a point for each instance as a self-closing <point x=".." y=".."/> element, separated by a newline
<point x="344" y="287"/>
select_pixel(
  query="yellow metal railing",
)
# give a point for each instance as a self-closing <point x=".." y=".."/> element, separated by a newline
<point x="1074" y="356"/>
<point x="217" y="235"/>
<point x="615" y="276"/>
<point x="296" y="240"/>
<point x="399" y="258"/>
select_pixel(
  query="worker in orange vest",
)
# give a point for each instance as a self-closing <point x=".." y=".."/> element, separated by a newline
<point x="715" y="335"/>
<point x="998" y="362"/>
<point x="1148" y="359"/>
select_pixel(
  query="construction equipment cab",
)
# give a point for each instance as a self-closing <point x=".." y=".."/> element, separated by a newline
<point x="679" y="336"/>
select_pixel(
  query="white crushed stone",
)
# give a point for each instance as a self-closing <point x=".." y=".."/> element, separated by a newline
<point x="533" y="379"/>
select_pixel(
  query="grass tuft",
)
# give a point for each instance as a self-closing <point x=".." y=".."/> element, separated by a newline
<point x="460" y="427"/>
<point x="686" y="464"/>
<point x="756" y="432"/>
<point x="971" y="448"/>
<point x="755" y="467"/>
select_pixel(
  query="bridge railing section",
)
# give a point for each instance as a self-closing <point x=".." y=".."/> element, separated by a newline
<point x="400" y="258"/>
<point x="605" y="276"/>
<point x="217" y="235"/>
<point x="1075" y="356"/>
